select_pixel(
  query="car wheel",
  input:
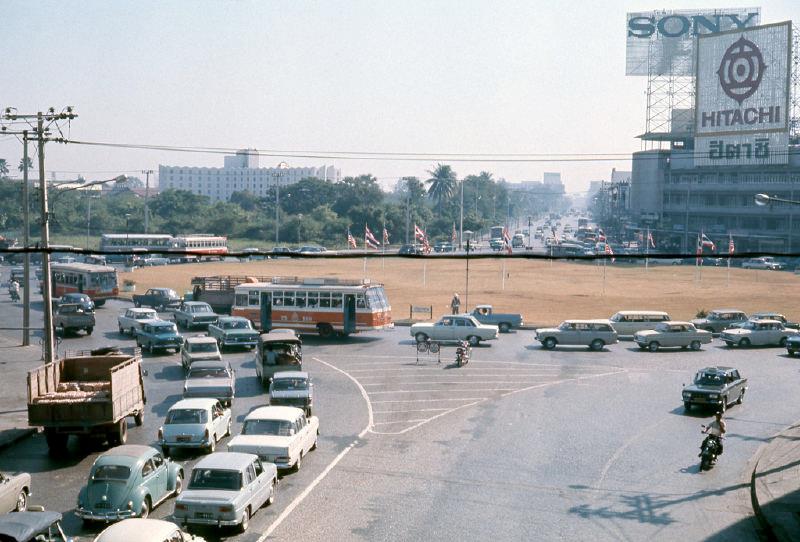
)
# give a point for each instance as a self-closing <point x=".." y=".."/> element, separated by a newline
<point x="89" y="330"/>
<point x="687" y="406"/>
<point x="228" y="429"/>
<point x="653" y="346"/>
<point x="212" y="445"/>
<point x="729" y="343"/>
<point x="791" y="353"/>
<point x="138" y="418"/>
<point x="22" y="501"/>
<point x="597" y="345"/>
<point x="178" y="484"/>
<point x="782" y="342"/>
<point x="121" y="330"/>
<point x="299" y="462"/>
<point x="145" y="511"/>
<point x="695" y="345"/>
<point x="132" y="332"/>
<point x="245" y="520"/>
<point x="744" y="343"/>
<point x="150" y="348"/>
<point x="504" y="327"/>
<point x="549" y="343"/>
<point x="272" y="489"/>
<point x="741" y="398"/>
<point x="165" y="451"/>
<point x="474" y="340"/>
<point x="420" y="337"/>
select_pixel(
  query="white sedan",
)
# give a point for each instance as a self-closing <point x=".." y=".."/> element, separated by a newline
<point x="758" y="333"/>
<point x="194" y="423"/>
<point x="456" y="327"/>
<point x="277" y="434"/>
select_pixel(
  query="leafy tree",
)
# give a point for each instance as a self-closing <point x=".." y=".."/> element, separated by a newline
<point x="442" y="184"/>
<point x="180" y="211"/>
<point x="25" y="164"/>
<point x="306" y="195"/>
<point x="363" y="190"/>
<point x="246" y="200"/>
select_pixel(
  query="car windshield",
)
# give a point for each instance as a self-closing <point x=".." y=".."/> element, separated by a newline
<point x="200" y="308"/>
<point x="289" y="384"/>
<point x="202" y="347"/>
<point x="267" y="427"/>
<point x="208" y="372"/>
<point x="236" y="324"/>
<point x="165" y="329"/>
<point x="226" y="480"/>
<point x="714" y="316"/>
<point x="186" y="416"/>
<point x="105" y="473"/>
<point x="709" y="379"/>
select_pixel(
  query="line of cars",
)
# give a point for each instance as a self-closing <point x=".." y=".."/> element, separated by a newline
<point x="224" y="489"/>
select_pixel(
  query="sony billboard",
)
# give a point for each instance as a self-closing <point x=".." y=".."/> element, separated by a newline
<point x="742" y="96"/>
<point x="662" y="42"/>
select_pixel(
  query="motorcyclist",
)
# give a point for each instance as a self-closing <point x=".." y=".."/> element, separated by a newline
<point x="13" y="290"/>
<point x="716" y="429"/>
<point x="462" y="352"/>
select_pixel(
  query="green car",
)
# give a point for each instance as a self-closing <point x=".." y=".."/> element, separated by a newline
<point x="128" y="481"/>
<point x="233" y="331"/>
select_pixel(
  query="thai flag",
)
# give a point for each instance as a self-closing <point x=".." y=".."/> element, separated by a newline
<point x="351" y="241"/>
<point x="650" y="240"/>
<point x="610" y="252"/>
<point x="369" y="239"/>
<point x="385" y="236"/>
<point x="706" y="242"/>
<point x="454" y="237"/>
<point x="699" y="259"/>
<point x="601" y="235"/>
<point x="419" y="234"/>
<point x="731" y="246"/>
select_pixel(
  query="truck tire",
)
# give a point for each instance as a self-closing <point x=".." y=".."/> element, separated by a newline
<point x="504" y="327"/>
<point x="89" y="330"/>
<point x="325" y="330"/>
<point x="119" y="433"/>
<point x="56" y="442"/>
<point x="137" y="304"/>
<point x="138" y="418"/>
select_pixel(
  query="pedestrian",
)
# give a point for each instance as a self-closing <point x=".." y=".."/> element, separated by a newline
<point x="455" y="304"/>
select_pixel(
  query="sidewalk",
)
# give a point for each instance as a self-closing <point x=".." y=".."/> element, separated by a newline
<point x="775" y="485"/>
<point x="15" y="362"/>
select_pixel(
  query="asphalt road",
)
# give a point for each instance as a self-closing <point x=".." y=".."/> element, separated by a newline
<point x="520" y="444"/>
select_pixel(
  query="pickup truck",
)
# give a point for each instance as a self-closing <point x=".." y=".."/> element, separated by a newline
<point x="131" y="320"/>
<point x="157" y="298"/>
<point x="504" y="322"/>
<point x="766" y="262"/>
<point x="87" y="394"/>
<point x="715" y="387"/>
<point x="71" y="317"/>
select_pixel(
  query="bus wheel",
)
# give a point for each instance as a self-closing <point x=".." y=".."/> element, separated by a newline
<point x="325" y="330"/>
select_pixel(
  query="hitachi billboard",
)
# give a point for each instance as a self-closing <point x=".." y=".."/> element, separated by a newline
<point x="742" y="95"/>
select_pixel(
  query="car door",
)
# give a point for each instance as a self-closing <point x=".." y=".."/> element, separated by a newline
<point x="218" y="420"/>
<point x="261" y="483"/>
<point x="463" y="328"/>
<point x="160" y="477"/>
<point x="8" y="496"/>
<point x="444" y="329"/>
<point x="250" y="486"/>
<point x="305" y="432"/>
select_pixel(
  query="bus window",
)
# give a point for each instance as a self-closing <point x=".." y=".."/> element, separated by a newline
<point x="324" y="300"/>
<point x="360" y="303"/>
<point x="336" y="300"/>
<point x="313" y="299"/>
<point x="253" y="298"/>
<point x="240" y="300"/>
<point x="288" y="299"/>
<point x="300" y="299"/>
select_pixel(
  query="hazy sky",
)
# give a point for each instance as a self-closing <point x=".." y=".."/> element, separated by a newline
<point x="532" y="76"/>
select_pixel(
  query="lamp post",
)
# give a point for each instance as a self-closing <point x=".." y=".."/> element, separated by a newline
<point x="282" y="167"/>
<point x="765" y="199"/>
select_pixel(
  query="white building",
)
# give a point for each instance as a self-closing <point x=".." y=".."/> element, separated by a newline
<point x="239" y="174"/>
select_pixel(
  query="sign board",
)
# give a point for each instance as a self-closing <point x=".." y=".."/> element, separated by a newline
<point x="663" y="42"/>
<point x="742" y="96"/>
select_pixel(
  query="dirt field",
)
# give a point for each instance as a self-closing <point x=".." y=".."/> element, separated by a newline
<point x="543" y="292"/>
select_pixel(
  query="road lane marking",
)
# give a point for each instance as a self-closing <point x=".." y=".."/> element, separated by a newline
<point x="449" y="382"/>
<point x="404" y="411"/>
<point x="301" y="497"/>
<point x="399" y="421"/>
<point x="428" y="400"/>
<point x="439" y="391"/>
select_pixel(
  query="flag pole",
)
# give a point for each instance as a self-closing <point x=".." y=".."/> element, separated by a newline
<point x="730" y="242"/>
<point x="647" y="250"/>
<point x="605" y="258"/>
<point x="503" y="282"/>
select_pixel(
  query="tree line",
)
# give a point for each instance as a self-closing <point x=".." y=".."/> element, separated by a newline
<point x="311" y="210"/>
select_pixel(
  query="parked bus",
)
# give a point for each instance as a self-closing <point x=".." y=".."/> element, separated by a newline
<point x="133" y="243"/>
<point x="208" y="246"/>
<point x="496" y="232"/>
<point x="583" y="222"/>
<point x="322" y="305"/>
<point x="99" y="282"/>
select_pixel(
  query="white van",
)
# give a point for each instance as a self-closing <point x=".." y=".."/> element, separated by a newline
<point x="631" y="322"/>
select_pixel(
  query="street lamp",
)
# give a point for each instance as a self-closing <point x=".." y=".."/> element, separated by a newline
<point x="765" y="199"/>
<point x="282" y="167"/>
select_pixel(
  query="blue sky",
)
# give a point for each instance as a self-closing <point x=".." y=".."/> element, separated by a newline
<point x="422" y="77"/>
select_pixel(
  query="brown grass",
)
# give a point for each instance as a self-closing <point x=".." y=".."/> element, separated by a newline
<point x="543" y="292"/>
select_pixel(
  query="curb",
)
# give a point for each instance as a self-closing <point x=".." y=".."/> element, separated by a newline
<point x="9" y="437"/>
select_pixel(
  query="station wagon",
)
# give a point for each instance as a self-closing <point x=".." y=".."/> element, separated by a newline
<point x="592" y="333"/>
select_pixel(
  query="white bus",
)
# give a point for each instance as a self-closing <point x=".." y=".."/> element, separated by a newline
<point x="314" y="305"/>
<point x="202" y="246"/>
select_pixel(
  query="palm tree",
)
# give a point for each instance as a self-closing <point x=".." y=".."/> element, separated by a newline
<point x="3" y="167"/>
<point x="23" y="164"/>
<point x="442" y="184"/>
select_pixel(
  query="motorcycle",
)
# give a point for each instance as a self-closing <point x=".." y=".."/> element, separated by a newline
<point x="709" y="451"/>
<point x="462" y="353"/>
<point x="14" y="293"/>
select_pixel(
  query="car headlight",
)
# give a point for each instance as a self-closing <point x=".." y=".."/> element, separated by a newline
<point x="713" y="396"/>
<point x="687" y="395"/>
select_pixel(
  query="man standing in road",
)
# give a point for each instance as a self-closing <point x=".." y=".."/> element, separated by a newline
<point x="455" y="304"/>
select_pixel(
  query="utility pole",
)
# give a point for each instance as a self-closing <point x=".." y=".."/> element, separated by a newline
<point x="461" y="219"/>
<point x="26" y="234"/>
<point x="147" y="172"/>
<point x="41" y="132"/>
<point x="277" y="176"/>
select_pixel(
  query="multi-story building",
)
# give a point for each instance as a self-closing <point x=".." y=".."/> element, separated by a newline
<point x="240" y="173"/>
<point x="671" y="194"/>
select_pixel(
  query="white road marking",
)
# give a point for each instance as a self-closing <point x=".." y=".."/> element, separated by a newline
<point x="459" y="382"/>
<point x="439" y="391"/>
<point x="412" y="410"/>
<point x="400" y="421"/>
<point x="429" y="400"/>
<point x="301" y="497"/>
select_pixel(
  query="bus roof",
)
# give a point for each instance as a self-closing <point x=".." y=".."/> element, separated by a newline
<point x="136" y="236"/>
<point x="326" y="283"/>
<point x="86" y="267"/>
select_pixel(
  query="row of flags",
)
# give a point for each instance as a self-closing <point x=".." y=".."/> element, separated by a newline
<point x="370" y="241"/>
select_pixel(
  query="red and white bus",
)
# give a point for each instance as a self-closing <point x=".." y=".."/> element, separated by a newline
<point x="322" y="305"/>
<point x="99" y="282"/>
<point x="201" y="245"/>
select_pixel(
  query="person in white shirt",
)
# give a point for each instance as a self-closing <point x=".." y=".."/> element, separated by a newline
<point x="716" y="429"/>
